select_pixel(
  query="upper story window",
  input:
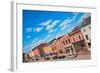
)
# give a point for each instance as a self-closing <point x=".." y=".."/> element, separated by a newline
<point x="73" y="39"/>
<point x="69" y="40"/>
<point x="63" y="42"/>
<point x="87" y="37"/>
<point x="79" y="37"/>
<point x="89" y="44"/>
<point x="66" y="41"/>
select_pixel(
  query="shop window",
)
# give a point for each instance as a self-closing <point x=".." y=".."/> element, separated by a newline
<point x="72" y="49"/>
<point x="67" y="51"/>
<point x="60" y="51"/>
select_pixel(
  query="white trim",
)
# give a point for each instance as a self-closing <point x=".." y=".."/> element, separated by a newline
<point x="13" y="37"/>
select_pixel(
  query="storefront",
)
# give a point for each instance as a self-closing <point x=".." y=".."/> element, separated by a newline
<point x="80" y="46"/>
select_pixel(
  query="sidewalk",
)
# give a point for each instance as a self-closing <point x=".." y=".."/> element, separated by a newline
<point x="83" y="55"/>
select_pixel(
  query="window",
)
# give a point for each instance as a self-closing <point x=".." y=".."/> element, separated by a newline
<point x="89" y="27"/>
<point x="69" y="40"/>
<point x="72" y="50"/>
<point x="73" y="40"/>
<point x="66" y="41"/>
<point x="89" y="44"/>
<point x="79" y="37"/>
<point x="63" y="42"/>
<point x="67" y="51"/>
<point x="87" y="37"/>
<point x="60" y="51"/>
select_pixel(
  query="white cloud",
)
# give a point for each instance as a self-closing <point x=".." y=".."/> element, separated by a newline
<point x="38" y="29"/>
<point x="73" y="18"/>
<point x="52" y="25"/>
<point x="29" y="29"/>
<point x="28" y="36"/>
<point x="64" y="27"/>
<point x="48" y="36"/>
<point x="52" y="30"/>
<point x="75" y="15"/>
<point x="38" y="42"/>
<point x="35" y="40"/>
<point x="59" y="34"/>
<point x="46" y="22"/>
<point x="70" y="29"/>
<point x="65" y="23"/>
<point x="27" y="48"/>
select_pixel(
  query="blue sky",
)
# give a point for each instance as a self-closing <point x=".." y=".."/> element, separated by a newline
<point x="43" y="26"/>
